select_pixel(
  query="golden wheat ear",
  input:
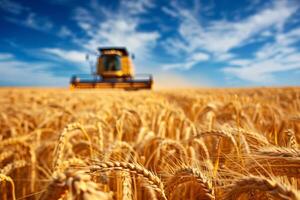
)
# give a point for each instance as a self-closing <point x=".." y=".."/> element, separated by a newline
<point x="254" y="184"/>
<point x="151" y="179"/>
<point x="72" y="184"/>
<point x="186" y="175"/>
<point x="59" y="150"/>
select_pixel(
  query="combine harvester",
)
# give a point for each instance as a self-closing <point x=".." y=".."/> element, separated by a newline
<point x="114" y="69"/>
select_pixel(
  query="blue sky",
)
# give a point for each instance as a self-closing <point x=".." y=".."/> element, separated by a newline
<point x="205" y="43"/>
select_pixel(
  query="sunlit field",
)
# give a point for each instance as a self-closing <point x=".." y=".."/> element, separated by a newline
<point x="165" y="144"/>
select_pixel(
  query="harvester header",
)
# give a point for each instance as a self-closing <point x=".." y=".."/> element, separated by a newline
<point x="114" y="69"/>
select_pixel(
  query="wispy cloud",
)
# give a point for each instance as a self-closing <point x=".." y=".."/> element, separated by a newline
<point x="118" y="28"/>
<point x="65" y="32"/>
<point x="278" y="56"/>
<point x="12" y="7"/>
<point x="26" y="17"/>
<point x="240" y="62"/>
<point x="33" y="21"/>
<point x="15" y="72"/>
<point x="71" y="55"/>
<point x="260" y="71"/>
<point x="180" y="65"/>
<point x="5" y="56"/>
<point x="189" y="63"/>
<point x="122" y="32"/>
<point x="220" y="37"/>
<point x="223" y="35"/>
<point x="135" y="7"/>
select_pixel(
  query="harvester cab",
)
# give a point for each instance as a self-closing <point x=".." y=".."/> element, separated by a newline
<point x="114" y="69"/>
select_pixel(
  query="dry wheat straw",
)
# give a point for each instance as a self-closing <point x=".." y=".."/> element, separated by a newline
<point x="3" y="179"/>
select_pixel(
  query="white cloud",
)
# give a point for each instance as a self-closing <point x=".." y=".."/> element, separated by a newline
<point x="191" y="60"/>
<point x="118" y="27"/>
<point x="274" y="50"/>
<point x="289" y="37"/>
<point x="33" y="21"/>
<point x="14" y="72"/>
<point x="272" y="57"/>
<point x="136" y="6"/>
<point x="183" y="65"/>
<point x="65" y="32"/>
<point x="224" y="56"/>
<point x="266" y="33"/>
<point x="6" y="56"/>
<point x="261" y="71"/>
<point x="169" y="11"/>
<point x="122" y="32"/>
<point x="291" y="58"/>
<point x="12" y="7"/>
<point x="240" y="62"/>
<point x="200" y="57"/>
<point x="37" y="22"/>
<point x="28" y="18"/>
<point x="85" y="20"/>
<point x="222" y="36"/>
<point x="71" y="56"/>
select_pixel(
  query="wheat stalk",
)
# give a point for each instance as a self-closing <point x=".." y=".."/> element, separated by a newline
<point x="188" y="174"/>
<point x="4" y="178"/>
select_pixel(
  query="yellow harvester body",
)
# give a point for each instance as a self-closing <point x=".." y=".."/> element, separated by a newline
<point x="126" y="66"/>
<point x="114" y="69"/>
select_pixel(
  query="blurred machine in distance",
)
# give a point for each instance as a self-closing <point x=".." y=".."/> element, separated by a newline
<point x="114" y="69"/>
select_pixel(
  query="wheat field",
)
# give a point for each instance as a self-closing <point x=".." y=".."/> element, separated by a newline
<point x="166" y="144"/>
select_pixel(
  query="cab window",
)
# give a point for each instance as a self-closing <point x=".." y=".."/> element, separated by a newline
<point x="112" y="62"/>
